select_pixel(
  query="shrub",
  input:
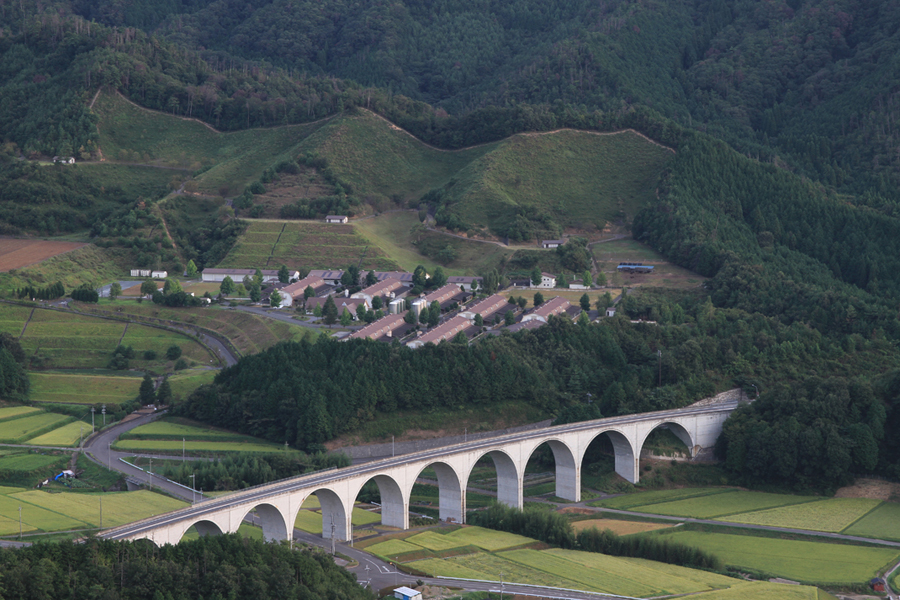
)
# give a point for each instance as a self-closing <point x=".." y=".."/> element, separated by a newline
<point x="173" y="352"/>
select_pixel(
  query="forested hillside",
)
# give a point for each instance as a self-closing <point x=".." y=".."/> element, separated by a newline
<point x="783" y="189"/>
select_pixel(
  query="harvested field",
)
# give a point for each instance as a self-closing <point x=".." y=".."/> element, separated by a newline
<point x="831" y="515"/>
<point x="67" y="435"/>
<point x="618" y="527"/>
<point x="18" y="253"/>
<point x="83" y="389"/>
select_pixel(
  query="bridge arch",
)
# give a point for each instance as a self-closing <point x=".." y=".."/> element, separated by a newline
<point x="626" y="457"/>
<point x="451" y="500"/>
<point x="394" y="504"/>
<point x="274" y="526"/>
<point x="509" y="479"/>
<point x="333" y="510"/>
<point x="676" y="428"/>
<point x="568" y="469"/>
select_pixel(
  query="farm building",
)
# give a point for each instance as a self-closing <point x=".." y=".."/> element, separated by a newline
<point x="610" y="312"/>
<point x="548" y="281"/>
<point x="465" y="282"/>
<point x="64" y="160"/>
<point x="543" y="312"/>
<point x="532" y="324"/>
<point x="552" y="243"/>
<point x="634" y="268"/>
<point x="383" y="327"/>
<point x="237" y="275"/>
<point x="443" y="296"/>
<point x="445" y="331"/>
<point x="389" y="288"/>
<point x="293" y="293"/>
<point x="405" y="593"/>
<point x="140" y="272"/>
<point x="351" y="304"/>
<point x="402" y="276"/>
<point x="159" y="274"/>
<point x="331" y="277"/>
<point x="336" y="219"/>
<point x="486" y="308"/>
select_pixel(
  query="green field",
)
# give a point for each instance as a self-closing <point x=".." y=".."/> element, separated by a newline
<point x="248" y="332"/>
<point x="25" y="462"/>
<point x="311" y="521"/>
<point x="392" y="548"/>
<point x="580" y="178"/>
<point x="813" y="562"/>
<point x="118" y="508"/>
<point x="61" y="339"/>
<point x="89" y="264"/>
<point x="401" y="236"/>
<point x="66" y="388"/>
<point x="168" y="428"/>
<point x="193" y="446"/>
<point x="487" y="539"/>
<point x="882" y="523"/>
<point x="132" y="134"/>
<point x="185" y="382"/>
<point x="17" y="431"/>
<point x="834" y="515"/>
<point x="136" y="181"/>
<point x="718" y="505"/>
<point x="632" y="501"/>
<point x="304" y="244"/>
<point x="762" y="590"/>
<point x="10" y="412"/>
<point x="67" y="435"/>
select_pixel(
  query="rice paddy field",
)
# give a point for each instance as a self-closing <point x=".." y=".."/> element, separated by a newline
<point x="68" y="435"/>
<point x="270" y="244"/>
<point x="311" y="520"/>
<point x="185" y="382"/>
<point x="882" y="523"/>
<point x="16" y="431"/>
<point x="833" y="515"/>
<point x="43" y="511"/>
<point x="83" y="388"/>
<point x="171" y="435"/>
<point x="173" y="446"/>
<point x="618" y="527"/>
<point x="719" y="505"/>
<point x="799" y="560"/>
<point x="633" y="501"/>
<point x="476" y="553"/>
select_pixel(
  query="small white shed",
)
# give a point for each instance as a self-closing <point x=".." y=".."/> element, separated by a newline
<point x="405" y="593"/>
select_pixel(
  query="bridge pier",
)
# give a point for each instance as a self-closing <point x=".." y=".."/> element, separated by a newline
<point x="451" y="500"/>
<point x="394" y="510"/>
<point x="509" y="480"/>
<point x="334" y="513"/>
<point x="568" y="472"/>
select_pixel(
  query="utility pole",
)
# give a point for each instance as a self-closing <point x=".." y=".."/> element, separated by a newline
<point x="103" y="412"/>
<point x="332" y="534"/>
<point x="150" y="474"/>
<point x="193" y="484"/>
<point x="182" y="449"/>
<point x="101" y="513"/>
<point x="392" y="446"/>
<point x="659" y="361"/>
<point x="81" y="441"/>
<point x="92" y="418"/>
<point x="20" y="523"/>
<point x="108" y="456"/>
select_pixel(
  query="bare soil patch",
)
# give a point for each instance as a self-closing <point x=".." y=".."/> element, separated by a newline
<point x="870" y="488"/>
<point x="576" y="510"/>
<point x="18" y="253"/>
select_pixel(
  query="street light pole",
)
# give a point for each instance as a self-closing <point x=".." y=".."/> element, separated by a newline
<point x="193" y="485"/>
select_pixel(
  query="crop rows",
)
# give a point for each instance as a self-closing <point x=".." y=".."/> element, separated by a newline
<point x="17" y="431"/>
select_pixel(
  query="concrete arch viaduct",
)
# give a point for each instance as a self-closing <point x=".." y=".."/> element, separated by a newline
<point x="277" y="504"/>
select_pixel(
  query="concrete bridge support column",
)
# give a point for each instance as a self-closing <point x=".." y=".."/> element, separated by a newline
<point x="509" y="480"/>
<point x="568" y="472"/>
<point x="626" y="458"/>
<point x="451" y="499"/>
<point x="394" y="510"/>
<point x="334" y="511"/>
<point x="274" y="527"/>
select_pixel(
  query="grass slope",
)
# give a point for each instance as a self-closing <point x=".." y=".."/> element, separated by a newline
<point x="580" y="178"/>
<point x="136" y="135"/>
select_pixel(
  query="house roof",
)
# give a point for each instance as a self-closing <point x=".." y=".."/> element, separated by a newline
<point x="336" y="217"/>
<point x="532" y="324"/>
<point x="399" y="275"/>
<point x="340" y="302"/>
<point x="550" y="275"/>
<point x="382" y="288"/>
<point x="326" y="273"/>
<point x="444" y="331"/>
<point x="241" y="272"/>
<point x="488" y="306"/>
<point x="463" y="279"/>
<point x="442" y="294"/>
<point x="560" y="242"/>
<point x="552" y="307"/>
<point x="299" y="287"/>
<point x="379" y="328"/>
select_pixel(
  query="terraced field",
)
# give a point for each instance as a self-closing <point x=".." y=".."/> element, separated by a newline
<point x="718" y="505"/>
<point x="17" y="431"/>
<point x="834" y="515"/>
<point x="66" y="388"/>
<point x="882" y="523"/>
<point x="170" y="436"/>
<point x="270" y="244"/>
<point x="68" y="435"/>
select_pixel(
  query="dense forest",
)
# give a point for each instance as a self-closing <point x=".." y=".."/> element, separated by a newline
<point x="309" y="393"/>
<point x="215" y="567"/>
